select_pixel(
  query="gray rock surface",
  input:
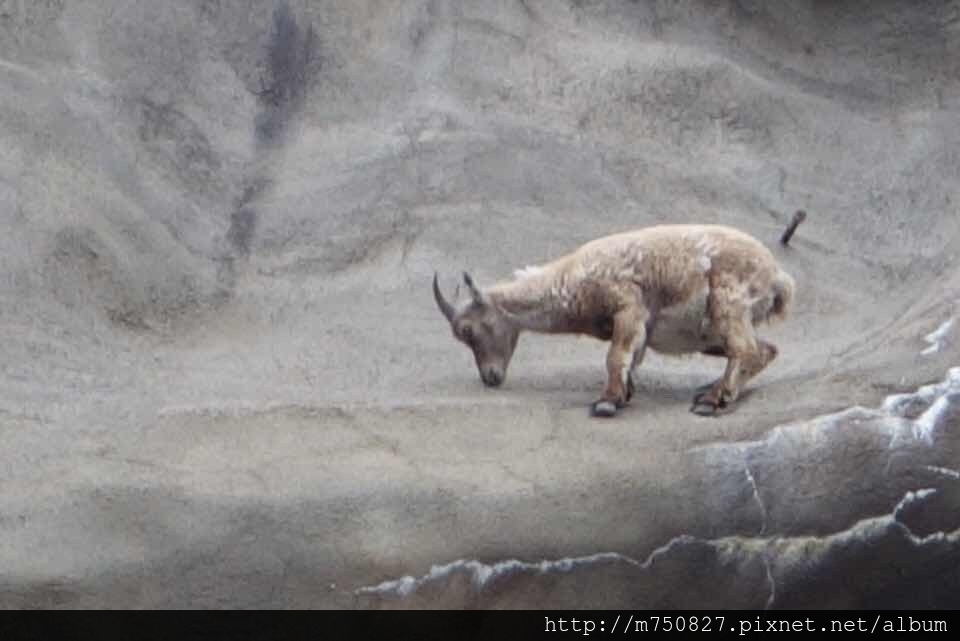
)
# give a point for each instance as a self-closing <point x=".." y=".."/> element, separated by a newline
<point x="224" y="383"/>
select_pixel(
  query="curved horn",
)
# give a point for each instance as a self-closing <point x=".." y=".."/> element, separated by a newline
<point x="475" y="292"/>
<point x="442" y="303"/>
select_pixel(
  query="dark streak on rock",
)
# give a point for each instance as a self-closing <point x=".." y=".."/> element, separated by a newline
<point x="290" y="63"/>
<point x="291" y="60"/>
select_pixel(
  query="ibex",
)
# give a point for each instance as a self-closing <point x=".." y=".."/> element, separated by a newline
<point x="674" y="288"/>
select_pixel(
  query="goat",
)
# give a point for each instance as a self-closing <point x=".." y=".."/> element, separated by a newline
<point x="677" y="289"/>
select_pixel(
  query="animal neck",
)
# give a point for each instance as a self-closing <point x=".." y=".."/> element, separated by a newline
<point x="533" y="303"/>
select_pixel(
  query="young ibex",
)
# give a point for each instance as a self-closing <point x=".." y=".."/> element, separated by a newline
<point x="675" y="288"/>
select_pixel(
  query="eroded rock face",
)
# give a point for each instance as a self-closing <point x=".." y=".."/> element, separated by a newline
<point x="225" y="382"/>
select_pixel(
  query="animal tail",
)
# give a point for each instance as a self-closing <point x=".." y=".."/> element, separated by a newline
<point x="783" y="287"/>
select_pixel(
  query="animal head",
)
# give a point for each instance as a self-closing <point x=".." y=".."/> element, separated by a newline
<point x="486" y="330"/>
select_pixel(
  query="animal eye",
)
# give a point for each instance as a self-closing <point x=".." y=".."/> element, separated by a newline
<point x="467" y="333"/>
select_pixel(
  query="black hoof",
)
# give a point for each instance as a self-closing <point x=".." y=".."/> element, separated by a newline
<point x="704" y="408"/>
<point x="705" y="405"/>
<point x="603" y="409"/>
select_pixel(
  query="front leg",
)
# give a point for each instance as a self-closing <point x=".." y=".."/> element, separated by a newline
<point x="634" y="366"/>
<point x="629" y="339"/>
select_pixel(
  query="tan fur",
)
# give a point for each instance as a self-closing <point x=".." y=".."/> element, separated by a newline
<point x="675" y="288"/>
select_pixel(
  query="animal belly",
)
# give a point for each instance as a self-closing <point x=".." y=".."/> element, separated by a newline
<point x="683" y="328"/>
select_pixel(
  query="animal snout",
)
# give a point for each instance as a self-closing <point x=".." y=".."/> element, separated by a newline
<point x="491" y="377"/>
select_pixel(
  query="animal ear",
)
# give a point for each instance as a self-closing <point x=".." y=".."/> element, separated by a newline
<point x="475" y="292"/>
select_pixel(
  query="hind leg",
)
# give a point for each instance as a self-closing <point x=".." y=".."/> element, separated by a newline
<point x="746" y="355"/>
<point x="742" y="365"/>
<point x="747" y="372"/>
<point x="767" y="353"/>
